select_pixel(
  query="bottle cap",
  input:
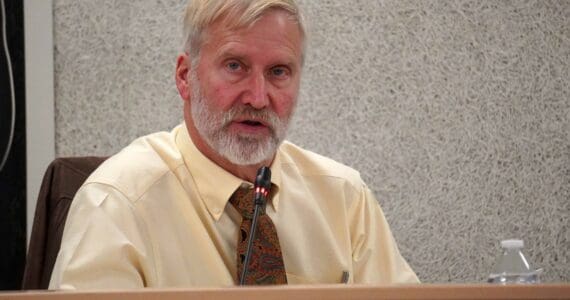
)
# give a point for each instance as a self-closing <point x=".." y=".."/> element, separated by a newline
<point x="512" y="244"/>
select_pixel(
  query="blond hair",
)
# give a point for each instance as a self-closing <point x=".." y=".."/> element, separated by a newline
<point x="200" y="14"/>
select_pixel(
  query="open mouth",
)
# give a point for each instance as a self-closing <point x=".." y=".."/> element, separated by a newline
<point x="251" y="123"/>
<point x="249" y="126"/>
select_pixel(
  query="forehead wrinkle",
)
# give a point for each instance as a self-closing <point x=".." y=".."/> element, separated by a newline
<point x="227" y="39"/>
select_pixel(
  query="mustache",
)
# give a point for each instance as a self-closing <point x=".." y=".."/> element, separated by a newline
<point x="264" y="115"/>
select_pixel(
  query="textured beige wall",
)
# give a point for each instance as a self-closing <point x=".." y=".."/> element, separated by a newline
<point x="455" y="112"/>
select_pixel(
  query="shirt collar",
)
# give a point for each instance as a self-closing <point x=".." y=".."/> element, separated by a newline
<point x="214" y="184"/>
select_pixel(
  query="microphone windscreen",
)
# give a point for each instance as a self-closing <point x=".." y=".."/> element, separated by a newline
<point x="263" y="178"/>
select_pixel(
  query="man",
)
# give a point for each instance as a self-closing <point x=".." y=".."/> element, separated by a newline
<point x="163" y="212"/>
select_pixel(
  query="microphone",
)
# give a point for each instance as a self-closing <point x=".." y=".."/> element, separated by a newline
<point x="261" y="190"/>
<point x="262" y="185"/>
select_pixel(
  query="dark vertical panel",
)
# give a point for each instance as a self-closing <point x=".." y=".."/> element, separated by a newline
<point x="13" y="175"/>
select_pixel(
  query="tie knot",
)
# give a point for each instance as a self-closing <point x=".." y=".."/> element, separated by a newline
<point x="243" y="201"/>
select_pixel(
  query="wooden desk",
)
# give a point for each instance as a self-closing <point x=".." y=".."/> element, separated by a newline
<point x="426" y="291"/>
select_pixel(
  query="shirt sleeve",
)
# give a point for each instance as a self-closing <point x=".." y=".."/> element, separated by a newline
<point x="376" y="258"/>
<point x="104" y="244"/>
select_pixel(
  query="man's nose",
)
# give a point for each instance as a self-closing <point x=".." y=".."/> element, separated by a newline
<point x="257" y="94"/>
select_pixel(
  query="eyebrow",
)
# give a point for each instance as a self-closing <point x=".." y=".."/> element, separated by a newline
<point x="225" y="52"/>
<point x="223" y="55"/>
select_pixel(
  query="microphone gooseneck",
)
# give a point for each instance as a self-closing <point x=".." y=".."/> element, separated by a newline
<point x="261" y="190"/>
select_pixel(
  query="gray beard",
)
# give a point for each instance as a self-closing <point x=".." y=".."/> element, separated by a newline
<point x="239" y="149"/>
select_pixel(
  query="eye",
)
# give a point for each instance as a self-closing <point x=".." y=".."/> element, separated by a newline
<point x="233" y="66"/>
<point x="279" y="72"/>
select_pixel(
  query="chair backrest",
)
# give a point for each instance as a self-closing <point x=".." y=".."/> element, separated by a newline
<point x="63" y="177"/>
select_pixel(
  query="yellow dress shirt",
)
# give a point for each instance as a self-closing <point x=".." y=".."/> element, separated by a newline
<point x="156" y="215"/>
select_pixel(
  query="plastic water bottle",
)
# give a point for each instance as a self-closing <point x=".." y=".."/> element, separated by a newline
<point x="512" y="267"/>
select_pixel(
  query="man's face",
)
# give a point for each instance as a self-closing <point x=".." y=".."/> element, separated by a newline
<point x="245" y="86"/>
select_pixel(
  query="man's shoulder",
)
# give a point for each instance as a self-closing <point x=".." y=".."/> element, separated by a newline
<point x="309" y="163"/>
<point x="138" y="166"/>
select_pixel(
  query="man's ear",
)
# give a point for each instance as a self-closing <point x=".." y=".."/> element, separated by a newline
<point x="182" y="76"/>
